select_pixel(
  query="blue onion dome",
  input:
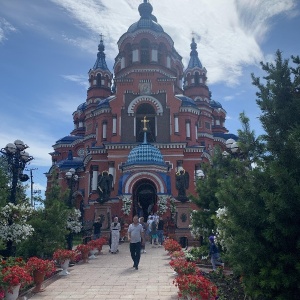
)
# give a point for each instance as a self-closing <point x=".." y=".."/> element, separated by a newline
<point x="194" y="59"/>
<point x="186" y="101"/>
<point x="147" y="20"/>
<point x="145" y="154"/>
<point x="215" y="104"/>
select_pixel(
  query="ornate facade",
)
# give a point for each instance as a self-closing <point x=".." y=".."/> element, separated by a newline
<point x="141" y="135"/>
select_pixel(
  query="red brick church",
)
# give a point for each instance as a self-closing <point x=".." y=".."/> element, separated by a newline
<point x="143" y="131"/>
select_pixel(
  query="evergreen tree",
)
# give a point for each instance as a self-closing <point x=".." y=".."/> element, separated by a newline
<point x="263" y="203"/>
<point x="49" y="225"/>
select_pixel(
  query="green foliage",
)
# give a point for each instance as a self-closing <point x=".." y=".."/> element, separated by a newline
<point x="49" y="225"/>
<point x="260" y="188"/>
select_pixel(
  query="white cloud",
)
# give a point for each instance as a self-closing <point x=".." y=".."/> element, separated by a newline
<point x="5" y="29"/>
<point x="230" y="30"/>
<point x="79" y="79"/>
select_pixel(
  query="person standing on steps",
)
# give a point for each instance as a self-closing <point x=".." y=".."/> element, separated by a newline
<point x="135" y="236"/>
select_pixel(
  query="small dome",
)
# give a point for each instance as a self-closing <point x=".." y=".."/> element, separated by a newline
<point x="145" y="154"/>
<point x="215" y="104"/>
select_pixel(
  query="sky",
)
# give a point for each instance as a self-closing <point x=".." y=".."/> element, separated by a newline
<point x="48" y="46"/>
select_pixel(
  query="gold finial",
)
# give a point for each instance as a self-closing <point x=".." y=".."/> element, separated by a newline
<point x="145" y="121"/>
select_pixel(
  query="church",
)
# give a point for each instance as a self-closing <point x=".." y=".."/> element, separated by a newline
<point x="144" y="131"/>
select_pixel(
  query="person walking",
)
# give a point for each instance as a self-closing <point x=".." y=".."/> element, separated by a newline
<point x="115" y="235"/>
<point x="160" y="231"/>
<point x="97" y="229"/>
<point x="214" y="254"/>
<point x="135" y="236"/>
<point x="143" y="245"/>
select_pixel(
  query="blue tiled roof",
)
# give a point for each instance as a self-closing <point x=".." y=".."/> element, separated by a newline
<point x="100" y="62"/>
<point x="67" y="164"/>
<point x="226" y="136"/>
<point x="105" y="102"/>
<point x="194" y="59"/>
<point x="69" y="139"/>
<point x="82" y="106"/>
<point x="145" y="154"/>
<point x="215" y="104"/>
<point x="186" y="101"/>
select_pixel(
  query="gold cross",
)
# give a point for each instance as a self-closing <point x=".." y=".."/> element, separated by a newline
<point x="145" y="121"/>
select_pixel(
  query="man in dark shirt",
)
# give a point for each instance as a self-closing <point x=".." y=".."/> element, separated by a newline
<point x="97" y="229"/>
<point x="160" y="231"/>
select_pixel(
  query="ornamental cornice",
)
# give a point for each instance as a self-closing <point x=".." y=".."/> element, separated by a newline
<point x="150" y="99"/>
<point x="146" y="70"/>
<point x="190" y="110"/>
<point x="204" y="134"/>
<point x="194" y="149"/>
<point x="155" y="34"/>
<point x="122" y="146"/>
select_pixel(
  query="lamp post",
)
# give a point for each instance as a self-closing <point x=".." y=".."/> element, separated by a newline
<point x="232" y="148"/>
<point x="72" y="180"/>
<point x="17" y="159"/>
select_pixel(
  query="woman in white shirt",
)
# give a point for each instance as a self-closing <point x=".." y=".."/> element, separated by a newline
<point x="115" y="228"/>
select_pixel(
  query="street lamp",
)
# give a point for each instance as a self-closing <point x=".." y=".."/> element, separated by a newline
<point x="72" y="180"/>
<point x="17" y="159"/>
<point x="232" y="146"/>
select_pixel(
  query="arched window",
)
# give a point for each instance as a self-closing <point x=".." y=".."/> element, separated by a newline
<point x="98" y="79"/>
<point x="197" y="78"/>
<point x="161" y="55"/>
<point x="128" y="55"/>
<point x="147" y="110"/>
<point x="145" y="51"/>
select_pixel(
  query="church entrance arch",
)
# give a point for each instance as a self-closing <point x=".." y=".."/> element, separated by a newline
<point x="144" y="198"/>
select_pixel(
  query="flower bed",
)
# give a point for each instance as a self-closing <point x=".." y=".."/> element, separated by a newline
<point x="182" y="266"/>
<point x="195" y="286"/>
<point x="171" y="245"/>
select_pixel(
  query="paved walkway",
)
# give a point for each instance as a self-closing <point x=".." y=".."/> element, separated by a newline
<point x="111" y="276"/>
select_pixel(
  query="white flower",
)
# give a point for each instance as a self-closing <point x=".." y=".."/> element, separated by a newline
<point x="73" y="222"/>
<point x="13" y="222"/>
<point x="126" y="206"/>
<point x="162" y="205"/>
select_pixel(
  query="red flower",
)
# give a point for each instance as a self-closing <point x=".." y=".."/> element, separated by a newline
<point x="15" y="275"/>
<point x="98" y="243"/>
<point x="195" y="286"/>
<point x="83" y="248"/>
<point x="182" y="266"/>
<point x="171" y="245"/>
<point x="41" y="265"/>
<point x="61" y="255"/>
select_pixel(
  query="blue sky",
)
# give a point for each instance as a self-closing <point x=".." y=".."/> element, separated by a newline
<point x="48" y="46"/>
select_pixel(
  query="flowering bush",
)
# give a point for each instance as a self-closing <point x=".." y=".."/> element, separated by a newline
<point x="40" y="265"/>
<point x="13" y="276"/>
<point x="126" y="206"/>
<point x="177" y="254"/>
<point x="196" y="286"/>
<point x="61" y="255"/>
<point x="172" y="207"/>
<point x="13" y="222"/>
<point x="182" y="266"/>
<point x="81" y="248"/>
<point x="171" y="245"/>
<point x="12" y="261"/>
<point x="98" y="243"/>
<point x="73" y="222"/>
<point x="162" y="205"/>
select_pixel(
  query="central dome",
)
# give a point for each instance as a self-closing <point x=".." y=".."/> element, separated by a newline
<point x="145" y="154"/>
<point x="147" y="20"/>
